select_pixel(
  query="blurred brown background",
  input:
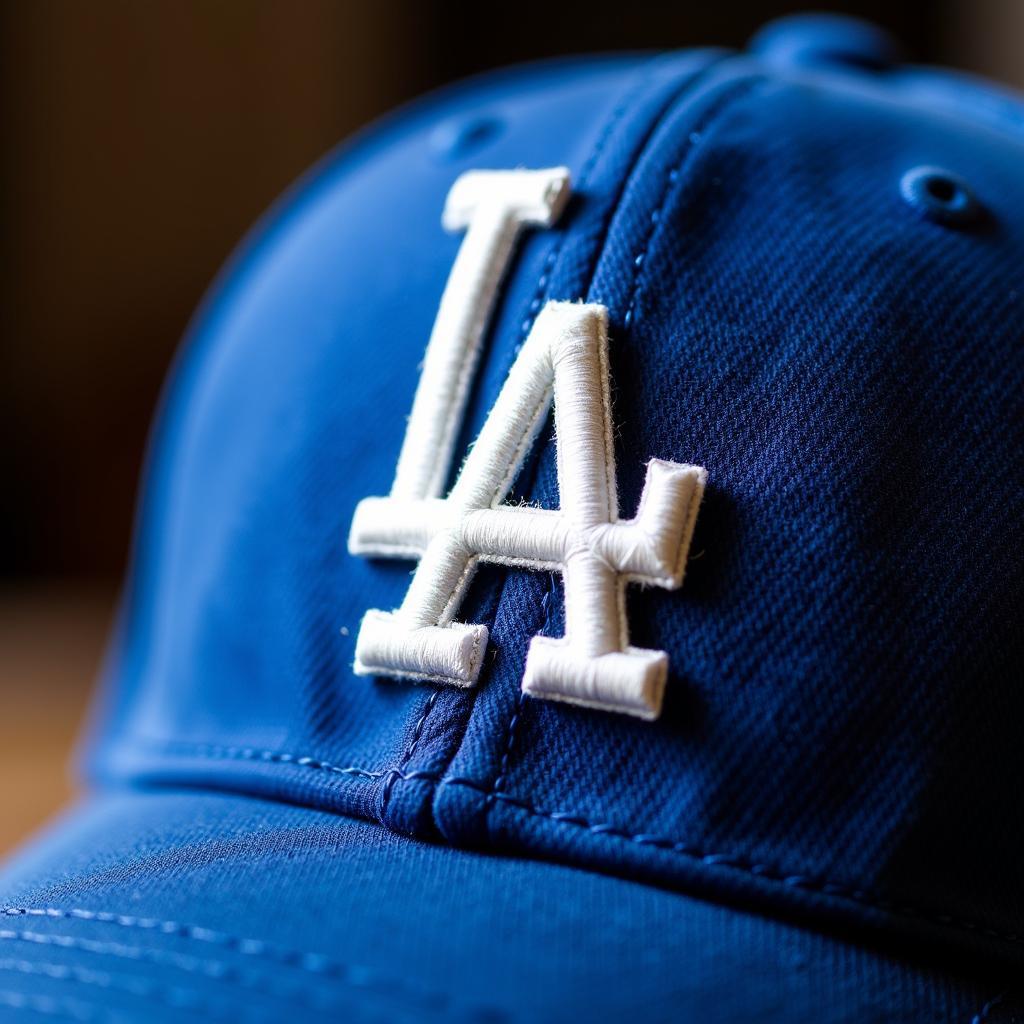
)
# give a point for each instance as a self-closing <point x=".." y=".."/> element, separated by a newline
<point x="140" y="139"/>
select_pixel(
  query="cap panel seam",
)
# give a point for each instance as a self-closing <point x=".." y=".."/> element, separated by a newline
<point x="398" y="773"/>
<point x="639" y="263"/>
<point x="840" y="890"/>
<point x="586" y="170"/>
<point x="723" y="101"/>
<point x="510" y="731"/>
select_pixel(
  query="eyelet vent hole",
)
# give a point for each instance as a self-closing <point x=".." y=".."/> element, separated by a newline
<point x="941" y="196"/>
<point x="461" y="139"/>
<point x="941" y="189"/>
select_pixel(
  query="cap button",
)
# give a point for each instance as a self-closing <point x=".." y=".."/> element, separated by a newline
<point x="826" y="39"/>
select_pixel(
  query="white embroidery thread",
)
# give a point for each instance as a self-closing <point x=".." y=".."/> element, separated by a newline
<point x="564" y="358"/>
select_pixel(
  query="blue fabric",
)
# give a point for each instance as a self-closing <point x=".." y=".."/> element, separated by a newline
<point x="167" y="906"/>
<point x="841" y="725"/>
<point x="840" y="741"/>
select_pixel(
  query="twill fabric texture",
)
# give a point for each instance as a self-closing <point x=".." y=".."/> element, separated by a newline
<point x="847" y="372"/>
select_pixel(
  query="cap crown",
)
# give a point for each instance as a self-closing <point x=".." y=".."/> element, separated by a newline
<point x="841" y="723"/>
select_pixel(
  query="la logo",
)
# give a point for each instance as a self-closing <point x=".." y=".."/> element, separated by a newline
<point x="564" y="359"/>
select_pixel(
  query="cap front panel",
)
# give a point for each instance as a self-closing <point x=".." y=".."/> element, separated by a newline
<point x="289" y="406"/>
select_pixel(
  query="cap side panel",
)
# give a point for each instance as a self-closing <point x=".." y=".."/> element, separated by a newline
<point x="779" y="315"/>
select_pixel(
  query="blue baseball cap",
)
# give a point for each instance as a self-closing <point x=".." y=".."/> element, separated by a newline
<point x="651" y="647"/>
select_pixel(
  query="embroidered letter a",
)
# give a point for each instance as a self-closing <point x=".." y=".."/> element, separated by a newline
<point x="564" y="358"/>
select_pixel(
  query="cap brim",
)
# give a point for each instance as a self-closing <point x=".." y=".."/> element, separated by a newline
<point x="163" y="905"/>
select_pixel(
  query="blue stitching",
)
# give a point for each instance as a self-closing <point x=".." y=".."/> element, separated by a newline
<point x="215" y="969"/>
<point x="982" y="1015"/>
<point x="838" y="889"/>
<point x="513" y="725"/>
<point x="172" y="996"/>
<point x="706" y="119"/>
<point x="312" y="963"/>
<point x="805" y="882"/>
<point x="511" y="739"/>
<point x="397" y="773"/>
<point x="709" y="115"/>
<point x="218" y="970"/>
<point x="585" y="171"/>
<point x="256" y="948"/>
<point x="417" y="732"/>
<point x="217" y="752"/>
<point x="588" y="168"/>
<point x="49" y="1006"/>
